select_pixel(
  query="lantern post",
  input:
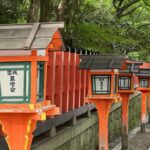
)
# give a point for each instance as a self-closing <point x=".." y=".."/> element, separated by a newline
<point x="102" y="87"/>
<point x="144" y="87"/>
<point x="149" y="108"/>
<point x="125" y="88"/>
<point x="23" y="70"/>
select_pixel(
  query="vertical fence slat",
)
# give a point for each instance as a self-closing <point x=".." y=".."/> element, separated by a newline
<point x="59" y="79"/>
<point x="66" y="79"/>
<point x="66" y="84"/>
<point x="72" y="82"/>
<point x="78" y="83"/>
<point x="51" y="76"/>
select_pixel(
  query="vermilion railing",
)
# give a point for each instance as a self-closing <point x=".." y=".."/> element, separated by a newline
<point x="66" y="84"/>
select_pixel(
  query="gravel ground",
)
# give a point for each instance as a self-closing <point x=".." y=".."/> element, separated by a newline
<point x="137" y="140"/>
<point x="141" y="141"/>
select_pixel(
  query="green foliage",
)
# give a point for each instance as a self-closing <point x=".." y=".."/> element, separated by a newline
<point x="105" y="39"/>
<point x="97" y="25"/>
<point x="134" y="55"/>
<point x="146" y="2"/>
<point x="98" y="30"/>
<point x="12" y="11"/>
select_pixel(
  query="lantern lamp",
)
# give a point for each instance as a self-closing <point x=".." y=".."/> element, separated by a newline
<point x="144" y="87"/>
<point x="101" y="84"/>
<point x="23" y="70"/>
<point x="143" y="79"/>
<point x="143" y="82"/>
<point x="124" y="83"/>
<point x="103" y="74"/>
<point x="102" y="88"/>
<point x="125" y="88"/>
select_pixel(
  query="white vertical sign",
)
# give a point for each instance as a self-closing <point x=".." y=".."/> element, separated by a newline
<point x="102" y="84"/>
<point x="12" y="82"/>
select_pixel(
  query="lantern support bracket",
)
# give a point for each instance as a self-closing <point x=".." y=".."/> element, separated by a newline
<point x="22" y="123"/>
<point x="103" y="107"/>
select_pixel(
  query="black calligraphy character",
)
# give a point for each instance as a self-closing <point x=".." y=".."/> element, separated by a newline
<point x="12" y="78"/>
<point x="15" y="72"/>
<point x="9" y="72"/>
<point x="12" y="89"/>
<point x="101" y="83"/>
<point x="12" y="84"/>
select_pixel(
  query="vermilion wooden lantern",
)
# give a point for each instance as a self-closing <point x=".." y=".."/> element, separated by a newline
<point x="144" y="80"/>
<point x="102" y="88"/>
<point x="125" y="88"/>
<point x="23" y="70"/>
<point x="144" y="86"/>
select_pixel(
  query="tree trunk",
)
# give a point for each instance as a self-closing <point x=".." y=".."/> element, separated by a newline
<point x="61" y="9"/>
<point x="45" y="10"/>
<point x="33" y="12"/>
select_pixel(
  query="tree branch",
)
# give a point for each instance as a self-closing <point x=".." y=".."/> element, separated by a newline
<point x="116" y="7"/>
<point x="125" y="7"/>
<point x="143" y="25"/>
<point x="130" y="11"/>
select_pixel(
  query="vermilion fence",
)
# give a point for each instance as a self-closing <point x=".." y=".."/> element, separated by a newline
<point x="66" y="84"/>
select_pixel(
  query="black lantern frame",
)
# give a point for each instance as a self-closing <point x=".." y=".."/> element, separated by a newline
<point x="124" y="83"/>
<point x="101" y="84"/>
<point x="144" y="78"/>
<point x="144" y="82"/>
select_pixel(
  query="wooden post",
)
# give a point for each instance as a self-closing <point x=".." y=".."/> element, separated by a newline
<point x="148" y="108"/>
<point x="103" y="107"/>
<point x="143" y="112"/>
<point x="125" y="103"/>
<point x="18" y="130"/>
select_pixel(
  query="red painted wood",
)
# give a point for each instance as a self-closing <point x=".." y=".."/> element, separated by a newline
<point x="59" y="79"/>
<point x="82" y="86"/>
<point x="66" y="84"/>
<point x="51" y="72"/>
<point x="72" y="82"/>
<point x="78" y="83"/>
<point x="66" y="79"/>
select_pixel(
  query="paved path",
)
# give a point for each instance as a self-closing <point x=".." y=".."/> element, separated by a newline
<point x="138" y="140"/>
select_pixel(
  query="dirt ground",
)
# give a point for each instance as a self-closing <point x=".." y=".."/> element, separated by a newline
<point x="137" y="140"/>
<point x="141" y="141"/>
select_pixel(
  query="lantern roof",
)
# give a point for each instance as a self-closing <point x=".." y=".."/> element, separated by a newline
<point x="143" y="72"/>
<point x="100" y="62"/>
<point x="27" y="36"/>
<point x="133" y="65"/>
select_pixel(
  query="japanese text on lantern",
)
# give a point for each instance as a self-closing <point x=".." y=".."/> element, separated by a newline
<point x="12" y="74"/>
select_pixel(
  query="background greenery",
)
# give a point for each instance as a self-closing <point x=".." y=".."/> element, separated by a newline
<point x="107" y="26"/>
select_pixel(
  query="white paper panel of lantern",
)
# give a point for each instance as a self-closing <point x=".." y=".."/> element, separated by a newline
<point x="101" y="84"/>
<point x="144" y="83"/>
<point x="14" y="82"/>
<point x="124" y="83"/>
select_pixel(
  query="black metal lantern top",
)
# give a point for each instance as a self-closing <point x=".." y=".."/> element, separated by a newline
<point x="125" y="80"/>
<point x="103" y="72"/>
<point x="95" y="62"/>
<point x="143" y="72"/>
<point x="133" y="66"/>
